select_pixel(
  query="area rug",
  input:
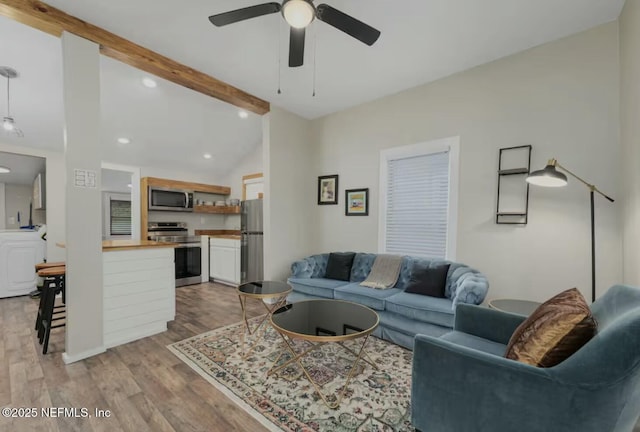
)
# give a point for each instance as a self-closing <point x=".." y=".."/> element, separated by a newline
<point x="374" y="400"/>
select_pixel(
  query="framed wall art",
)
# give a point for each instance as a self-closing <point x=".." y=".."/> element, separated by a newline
<point x="356" y="202"/>
<point x="328" y="189"/>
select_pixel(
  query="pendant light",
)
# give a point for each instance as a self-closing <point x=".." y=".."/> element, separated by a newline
<point x="8" y="122"/>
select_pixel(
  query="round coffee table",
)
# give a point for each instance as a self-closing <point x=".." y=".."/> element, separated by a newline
<point x="319" y="322"/>
<point x="522" y="307"/>
<point x="271" y="294"/>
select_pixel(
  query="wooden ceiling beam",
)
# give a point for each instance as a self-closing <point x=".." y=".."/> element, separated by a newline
<point x="54" y="21"/>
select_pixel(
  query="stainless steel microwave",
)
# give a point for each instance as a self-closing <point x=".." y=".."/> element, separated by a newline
<point x="168" y="199"/>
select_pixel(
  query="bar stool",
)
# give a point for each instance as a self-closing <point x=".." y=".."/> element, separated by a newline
<point x="42" y="276"/>
<point x="50" y="317"/>
<point x="36" y="293"/>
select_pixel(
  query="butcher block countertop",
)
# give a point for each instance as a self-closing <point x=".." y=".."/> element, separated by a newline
<point x="226" y="236"/>
<point x="119" y="245"/>
<point x="223" y="234"/>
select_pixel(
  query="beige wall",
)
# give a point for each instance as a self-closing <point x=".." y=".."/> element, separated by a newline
<point x="17" y="199"/>
<point x="289" y="232"/>
<point x="562" y="98"/>
<point x="630" y="137"/>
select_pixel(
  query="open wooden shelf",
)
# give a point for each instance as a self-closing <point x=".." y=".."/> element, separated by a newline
<point x="216" y="209"/>
<point x="514" y="171"/>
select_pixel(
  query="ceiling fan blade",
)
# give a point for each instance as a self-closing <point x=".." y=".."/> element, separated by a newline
<point x="348" y="24"/>
<point x="296" y="47"/>
<point x="233" y="16"/>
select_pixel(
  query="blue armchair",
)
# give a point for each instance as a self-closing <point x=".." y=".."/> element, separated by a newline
<point x="462" y="382"/>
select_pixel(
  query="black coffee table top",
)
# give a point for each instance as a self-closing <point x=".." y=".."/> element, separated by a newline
<point x="264" y="289"/>
<point x="325" y="320"/>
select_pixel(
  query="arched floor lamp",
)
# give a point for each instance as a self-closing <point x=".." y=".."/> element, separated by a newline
<point x="551" y="177"/>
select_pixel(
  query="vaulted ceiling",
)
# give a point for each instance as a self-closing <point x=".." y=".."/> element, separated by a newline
<point x="171" y="126"/>
<point x="422" y="40"/>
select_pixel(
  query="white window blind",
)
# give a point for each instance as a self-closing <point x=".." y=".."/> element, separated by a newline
<point x="120" y="217"/>
<point x="418" y="205"/>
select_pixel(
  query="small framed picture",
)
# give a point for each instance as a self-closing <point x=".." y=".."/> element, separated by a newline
<point x="356" y="202"/>
<point x="328" y="189"/>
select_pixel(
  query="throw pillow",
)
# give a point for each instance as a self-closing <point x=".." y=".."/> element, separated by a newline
<point x="554" y="331"/>
<point x="339" y="265"/>
<point x="429" y="281"/>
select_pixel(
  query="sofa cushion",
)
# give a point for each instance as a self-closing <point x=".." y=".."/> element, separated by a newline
<point x="554" y="331"/>
<point x="429" y="281"/>
<point x="339" y="265"/>
<point x="369" y="297"/>
<point x="475" y="342"/>
<point x="421" y="308"/>
<point x="315" y="286"/>
<point x="362" y="264"/>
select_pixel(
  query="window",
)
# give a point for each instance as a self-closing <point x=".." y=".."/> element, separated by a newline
<point x="418" y="199"/>
<point x="120" y="217"/>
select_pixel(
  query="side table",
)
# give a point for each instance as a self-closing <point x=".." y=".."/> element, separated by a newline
<point x="276" y="295"/>
<point x="521" y="307"/>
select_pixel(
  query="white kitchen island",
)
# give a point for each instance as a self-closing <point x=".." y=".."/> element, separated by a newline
<point x="139" y="289"/>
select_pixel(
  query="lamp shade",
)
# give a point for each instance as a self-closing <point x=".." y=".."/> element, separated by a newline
<point x="549" y="176"/>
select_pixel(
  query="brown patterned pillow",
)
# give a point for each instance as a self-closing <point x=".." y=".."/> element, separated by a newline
<point x="555" y="330"/>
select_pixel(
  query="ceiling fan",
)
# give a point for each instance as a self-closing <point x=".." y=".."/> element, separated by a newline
<point x="299" y="14"/>
<point x="8" y="123"/>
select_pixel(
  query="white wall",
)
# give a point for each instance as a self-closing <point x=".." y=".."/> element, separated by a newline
<point x="55" y="184"/>
<point x="17" y="199"/>
<point x="561" y="97"/>
<point x="629" y="133"/>
<point x="289" y="200"/>
<point x="250" y="164"/>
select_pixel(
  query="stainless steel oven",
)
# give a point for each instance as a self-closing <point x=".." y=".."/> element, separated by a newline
<point x="188" y="253"/>
<point x="170" y="199"/>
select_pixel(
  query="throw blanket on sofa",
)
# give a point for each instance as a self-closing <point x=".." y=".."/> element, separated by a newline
<point x="384" y="273"/>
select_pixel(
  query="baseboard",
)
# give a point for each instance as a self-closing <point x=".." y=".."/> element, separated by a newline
<point x="83" y="355"/>
<point x="130" y="336"/>
<point x="223" y="282"/>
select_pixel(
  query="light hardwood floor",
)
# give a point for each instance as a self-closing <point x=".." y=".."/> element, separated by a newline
<point x="143" y="384"/>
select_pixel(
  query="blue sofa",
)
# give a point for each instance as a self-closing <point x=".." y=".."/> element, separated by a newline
<point x="462" y="382"/>
<point x="402" y="315"/>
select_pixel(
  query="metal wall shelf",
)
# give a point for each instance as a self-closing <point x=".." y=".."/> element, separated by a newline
<point x="516" y="184"/>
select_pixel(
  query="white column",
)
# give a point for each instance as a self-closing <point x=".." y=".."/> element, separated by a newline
<point x="3" y="213"/>
<point x="81" y="80"/>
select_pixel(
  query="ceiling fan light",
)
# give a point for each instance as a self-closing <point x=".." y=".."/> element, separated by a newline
<point x="298" y="13"/>
<point x="8" y="124"/>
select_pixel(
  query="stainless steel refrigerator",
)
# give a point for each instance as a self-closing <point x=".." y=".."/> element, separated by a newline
<point x="251" y="261"/>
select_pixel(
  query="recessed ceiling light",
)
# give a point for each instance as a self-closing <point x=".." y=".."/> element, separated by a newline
<point x="207" y="155"/>
<point x="4" y="170"/>
<point x="149" y="82"/>
<point x="243" y="114"/>
<point x="124" y="140"/>
<point x="129" y="185"/>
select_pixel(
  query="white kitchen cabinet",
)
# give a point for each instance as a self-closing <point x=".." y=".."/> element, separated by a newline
<point x="224" y="260"/>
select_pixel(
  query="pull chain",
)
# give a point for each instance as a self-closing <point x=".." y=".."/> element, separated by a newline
<point x="8" y="106"/>
<point x="315" y="47"/>
<point x="279" y="55"/>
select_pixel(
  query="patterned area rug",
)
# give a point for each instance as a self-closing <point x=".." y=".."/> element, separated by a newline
<point x="374" y="401"/>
